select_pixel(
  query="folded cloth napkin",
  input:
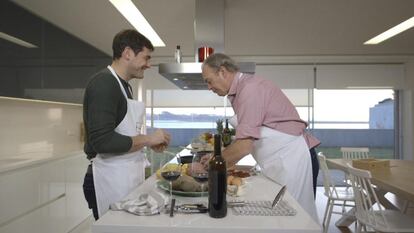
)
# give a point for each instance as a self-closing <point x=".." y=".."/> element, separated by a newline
<point x="146" y="204"/>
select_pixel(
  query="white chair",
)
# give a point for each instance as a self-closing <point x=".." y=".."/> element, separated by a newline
<point x="369" y="212"/>
<point x="336" y="197"/>
<point x="350" y="153"/>
<point x="355" y="152"/>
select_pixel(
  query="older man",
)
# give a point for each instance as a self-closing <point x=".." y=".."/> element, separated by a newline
<point x="268" y="127"/>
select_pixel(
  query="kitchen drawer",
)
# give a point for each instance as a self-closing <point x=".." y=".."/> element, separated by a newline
<point x="47" y="219"/>
<point x="26" y="189"/>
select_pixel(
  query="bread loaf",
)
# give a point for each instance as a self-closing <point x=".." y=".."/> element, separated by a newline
<point x="234" y="180"/>
<point x="229" y="179"/>
<point x="237" y="181"/>
<point x="187" y="184"/>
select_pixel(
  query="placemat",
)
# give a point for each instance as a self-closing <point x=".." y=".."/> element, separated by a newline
<point x="264" y="208"/>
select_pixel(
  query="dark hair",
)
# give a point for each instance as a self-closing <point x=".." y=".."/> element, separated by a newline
<point x="129" y="38"/>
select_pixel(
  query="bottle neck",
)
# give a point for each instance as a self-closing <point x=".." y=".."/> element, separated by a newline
<point x="217" y="145"/>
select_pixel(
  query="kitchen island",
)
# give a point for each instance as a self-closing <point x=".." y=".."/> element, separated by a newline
<point x="255" y="188"/>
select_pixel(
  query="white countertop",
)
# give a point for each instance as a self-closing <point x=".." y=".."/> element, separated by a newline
<point x="256" y="188"/>
<point x="30" y="159"/>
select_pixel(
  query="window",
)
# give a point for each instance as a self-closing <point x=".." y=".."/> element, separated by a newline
<point x="355" y="118"/>
<point x="188" y="117"/>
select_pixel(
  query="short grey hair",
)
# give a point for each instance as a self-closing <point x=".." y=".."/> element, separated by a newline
<point x="217" y="60"/>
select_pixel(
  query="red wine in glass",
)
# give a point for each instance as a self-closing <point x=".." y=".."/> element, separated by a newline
<point x="170" y="175"/>
<point x="201" y="177"/>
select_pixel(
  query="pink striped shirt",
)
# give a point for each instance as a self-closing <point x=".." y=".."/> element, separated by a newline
<point x="259" y="102"/>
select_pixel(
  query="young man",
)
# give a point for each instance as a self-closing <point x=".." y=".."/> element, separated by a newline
<point x="268" y="127"/>
<point x="113" y="122"/>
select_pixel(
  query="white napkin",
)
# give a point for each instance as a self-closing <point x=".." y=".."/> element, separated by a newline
<point x="146" y="204"/>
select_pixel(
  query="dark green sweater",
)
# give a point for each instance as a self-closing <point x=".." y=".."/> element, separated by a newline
<point x="104" y="107"/>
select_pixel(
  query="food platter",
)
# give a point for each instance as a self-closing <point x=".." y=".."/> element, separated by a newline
<point x="164" y="185"/>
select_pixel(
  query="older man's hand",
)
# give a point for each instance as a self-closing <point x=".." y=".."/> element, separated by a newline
<point x="205" y="159"/>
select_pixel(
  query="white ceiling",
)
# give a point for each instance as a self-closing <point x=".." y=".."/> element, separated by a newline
<point x="252" y="27"/>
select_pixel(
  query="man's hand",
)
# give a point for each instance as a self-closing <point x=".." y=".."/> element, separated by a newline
<point x="205" y="159"/>
<point x="159" y="148"/>
<point x="157" y="141"/>
<point x="159" y="138"/>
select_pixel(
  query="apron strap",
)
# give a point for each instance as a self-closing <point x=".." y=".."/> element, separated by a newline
<point x="119" y="82"/>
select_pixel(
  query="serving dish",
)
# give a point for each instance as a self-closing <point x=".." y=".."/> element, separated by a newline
<point x="164" y="185"/>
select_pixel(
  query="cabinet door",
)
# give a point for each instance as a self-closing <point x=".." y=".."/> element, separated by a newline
<point x="76" y="205"/>
<point x="49" y="218"/>
<point x="26" y="189"/>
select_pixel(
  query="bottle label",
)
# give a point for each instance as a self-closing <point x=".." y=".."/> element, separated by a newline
<point x="218" y="189"/>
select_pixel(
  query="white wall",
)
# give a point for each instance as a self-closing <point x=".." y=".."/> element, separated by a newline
<point x="39" y="128"/>
<point x="42" y="191"/>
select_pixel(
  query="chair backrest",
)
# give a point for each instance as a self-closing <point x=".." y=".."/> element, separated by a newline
<point x="366" y="201"/>
<point x="329" y="186"/>
<point x="355" y="152"/>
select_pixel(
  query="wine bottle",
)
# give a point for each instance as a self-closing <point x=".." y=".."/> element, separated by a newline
<point x="217" y="182"/>
<point x="226" y="134"/>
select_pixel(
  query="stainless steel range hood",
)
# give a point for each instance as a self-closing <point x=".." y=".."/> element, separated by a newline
<point x="187" y="76"/>
<point x="209" y="31"/>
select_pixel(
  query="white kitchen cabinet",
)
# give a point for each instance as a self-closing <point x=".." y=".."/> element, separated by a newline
<point x="76" y="205"/>
<point x="46" y="197"/>
<point x="46" y="219"/>
<point x="26" y="189"/>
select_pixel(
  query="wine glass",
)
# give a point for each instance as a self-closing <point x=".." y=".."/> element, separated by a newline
<point x="199" y="168"/>
<point x="197" y="145"/>
<point x="171" y="172"/>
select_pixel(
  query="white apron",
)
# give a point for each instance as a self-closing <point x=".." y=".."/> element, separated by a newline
<point x="115" y="175"/>
<point x="285" y="159"/>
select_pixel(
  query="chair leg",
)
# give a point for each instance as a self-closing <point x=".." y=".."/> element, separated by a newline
<point x="326" y="212"/>
<point x="329" y="214"/>
<point x="348" y="183"/>
<point x="343" y="207"/>
<point x="359" y="226"/>
<point x="346" y="180"/>
<point x="355" y="227"/>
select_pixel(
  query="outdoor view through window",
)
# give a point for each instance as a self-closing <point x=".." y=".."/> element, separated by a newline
<point x="339" y="118"/>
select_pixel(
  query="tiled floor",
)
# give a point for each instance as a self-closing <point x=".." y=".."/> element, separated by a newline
<point x="320" y="205"/>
